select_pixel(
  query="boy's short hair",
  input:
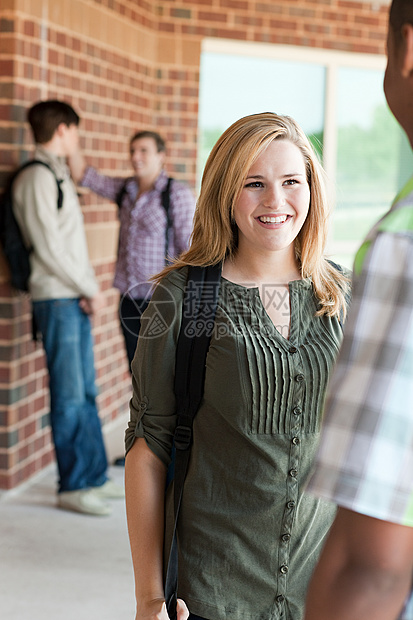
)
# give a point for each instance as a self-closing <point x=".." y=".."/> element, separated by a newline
<point x="46" y="116"/>
<point x="159" y="141"/>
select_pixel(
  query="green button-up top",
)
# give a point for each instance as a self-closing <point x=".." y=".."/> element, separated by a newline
<point x="249" y="536"/>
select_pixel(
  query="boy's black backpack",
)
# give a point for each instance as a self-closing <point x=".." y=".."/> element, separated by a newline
<point x="16" y="252"/>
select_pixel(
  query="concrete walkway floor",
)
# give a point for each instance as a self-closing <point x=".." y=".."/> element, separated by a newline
<point x="62" y="565"/>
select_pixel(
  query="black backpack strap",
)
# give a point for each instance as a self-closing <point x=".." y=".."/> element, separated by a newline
<point x="121" y="193"/>
<point x="59" y="193"/>
<point x="198" y="316"/>
<point x="166" y="203"/>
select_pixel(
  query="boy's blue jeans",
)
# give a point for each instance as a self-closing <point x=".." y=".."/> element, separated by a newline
<point x="76" y="428"/>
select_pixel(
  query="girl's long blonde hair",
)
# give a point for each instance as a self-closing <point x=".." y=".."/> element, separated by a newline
<point x="214" y="236"/>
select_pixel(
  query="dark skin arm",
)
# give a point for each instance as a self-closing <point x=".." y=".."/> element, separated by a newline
<point x="365" y="570"/>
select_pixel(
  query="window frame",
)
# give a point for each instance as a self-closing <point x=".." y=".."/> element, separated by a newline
<point x="332" y="60"/>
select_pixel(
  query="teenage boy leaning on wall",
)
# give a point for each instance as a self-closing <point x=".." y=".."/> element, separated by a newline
<point x="65" y="294"/>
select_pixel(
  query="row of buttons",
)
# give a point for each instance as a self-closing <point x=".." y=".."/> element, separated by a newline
<point x="284" y="568"/>
<point x="293" y="472"/>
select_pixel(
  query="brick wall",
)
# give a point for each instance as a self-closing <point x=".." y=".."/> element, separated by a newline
<point x="124" y="65"/>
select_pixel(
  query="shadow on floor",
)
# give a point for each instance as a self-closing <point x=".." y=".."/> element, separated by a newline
<point x="59" y="564"/>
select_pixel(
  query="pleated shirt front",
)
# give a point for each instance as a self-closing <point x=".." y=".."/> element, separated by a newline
<point x="249" y="536"/>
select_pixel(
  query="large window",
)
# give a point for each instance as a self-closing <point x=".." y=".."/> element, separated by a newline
<point x="233" y="86"/>
<point x="373" y="157"/>
<point x="338" y="100"/>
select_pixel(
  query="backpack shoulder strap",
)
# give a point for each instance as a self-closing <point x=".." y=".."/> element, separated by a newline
<point x="36" y="162"/>
<point x="166" y="203"/>
<point x="121" y="193"/>
<point x="166" y="195"/>
<point x="198" y="316"/>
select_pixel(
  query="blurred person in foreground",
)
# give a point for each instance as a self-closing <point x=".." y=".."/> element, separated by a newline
<point x="365" y="460"/>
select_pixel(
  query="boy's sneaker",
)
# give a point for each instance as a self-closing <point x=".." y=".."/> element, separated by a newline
<point x="109" y="490"/>
<point x="84" y="501"/>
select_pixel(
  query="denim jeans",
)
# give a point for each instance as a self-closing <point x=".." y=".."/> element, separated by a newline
<point x="76" y="428"/>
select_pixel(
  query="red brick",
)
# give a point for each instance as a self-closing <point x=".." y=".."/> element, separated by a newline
<point x="28" y="28"/>
<point x="205" y="16"/>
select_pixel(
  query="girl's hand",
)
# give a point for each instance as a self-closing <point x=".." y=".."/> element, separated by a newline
<point x="182" y="610"/>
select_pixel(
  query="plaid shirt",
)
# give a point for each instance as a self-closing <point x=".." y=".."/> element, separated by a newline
<point x="365" y="459"/>
<point x="141" y="251"/>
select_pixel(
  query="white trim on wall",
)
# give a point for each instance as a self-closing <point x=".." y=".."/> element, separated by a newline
<point x="294" y="52"/>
